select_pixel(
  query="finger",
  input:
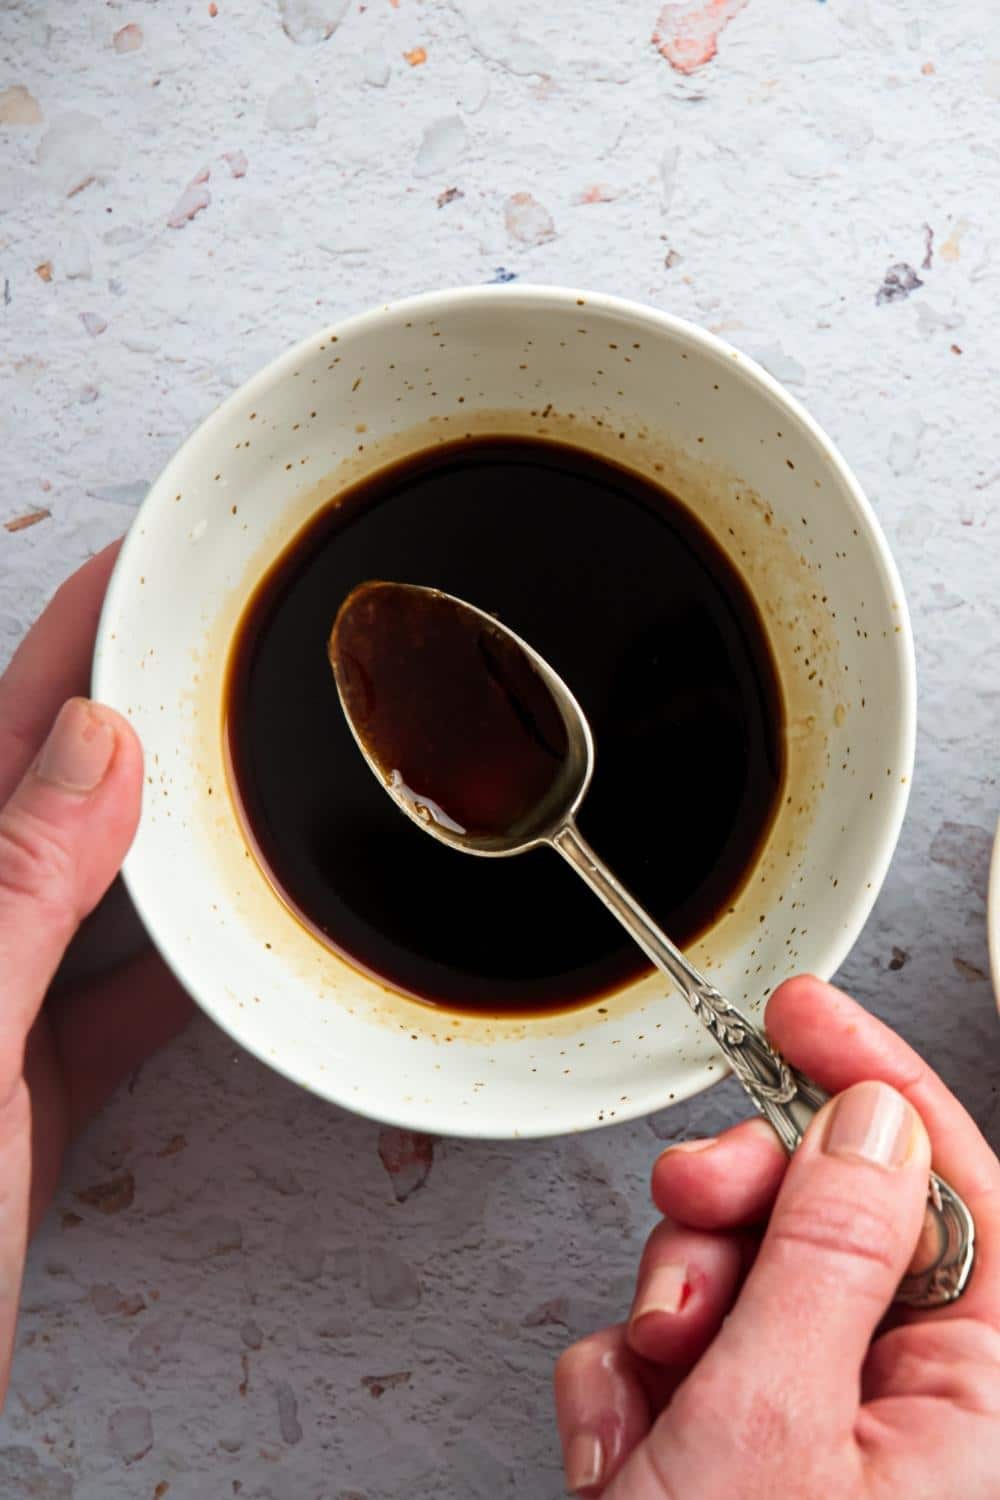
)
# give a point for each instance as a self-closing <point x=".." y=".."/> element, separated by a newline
<point x="49" y="1120"/>
<point x="32" y="1141"/>
<point x="945" y="1360"/>
<point x="602" y="1409"/>
<point x="685" y="1287"/>
<point x="830" y="1037"/>
<point x="51" y="665"/>
<point x="722" y="1183"/>
<point x="843" y="1230"/>
<point x="103" y="1030"/>
<point x="112" y="935"/>
<point x="63" y="835"/>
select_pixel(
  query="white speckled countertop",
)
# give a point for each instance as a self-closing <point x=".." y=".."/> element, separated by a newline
<point x="186" y="188"/>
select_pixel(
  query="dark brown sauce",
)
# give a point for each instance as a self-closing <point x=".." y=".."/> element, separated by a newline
<point x="616" y="585"/>
<point x="450" y="709"/>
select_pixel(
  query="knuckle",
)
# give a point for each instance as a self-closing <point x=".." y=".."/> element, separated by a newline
<point x="962" y="1341"/>
<point x="911" y="1370"/>
<point x="657" y="1243"/>
<point x="597" y="1357"/>
<point x="583" y="1353"/>
<point x="568" y="1364"/>
<point x="960" y="1367"/>
<point x="35" y="864"/>
<point x="840" y="1232"/>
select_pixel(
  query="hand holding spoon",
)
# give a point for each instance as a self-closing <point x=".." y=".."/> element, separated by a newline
<point x="483" y="745"/>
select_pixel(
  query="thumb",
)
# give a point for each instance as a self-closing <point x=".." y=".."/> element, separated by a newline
<point x="843" y="1230"/>
<point x="63" y="835"/>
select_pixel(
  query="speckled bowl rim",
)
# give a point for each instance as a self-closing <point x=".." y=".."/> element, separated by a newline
<point x="432" y="303"/>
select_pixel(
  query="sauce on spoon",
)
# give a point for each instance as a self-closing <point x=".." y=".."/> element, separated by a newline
<point x="455" y="716"/>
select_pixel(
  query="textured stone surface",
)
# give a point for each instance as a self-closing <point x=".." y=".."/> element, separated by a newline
<point x="816" y="181"/>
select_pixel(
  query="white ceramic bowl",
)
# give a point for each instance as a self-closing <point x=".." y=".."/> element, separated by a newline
<point x="676" y="404"/>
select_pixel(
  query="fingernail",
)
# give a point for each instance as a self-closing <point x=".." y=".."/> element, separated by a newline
<point x="584" y="1462"/>
<point x="872" y="1123"/>
<point x="664" y="1291"/>
<point x="699" y="1145"/>
<point x="79" y="748"/>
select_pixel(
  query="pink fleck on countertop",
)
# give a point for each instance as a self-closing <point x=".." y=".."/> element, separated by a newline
<point x="687" y="31"/>
<point x="407" y="1156"/>
<point x="528" y="220"/>
<point x="129" y="38"/>
<point x="598" y="192"/>
<point x="94" y="323"/>
<point x="194" y="198"/>
<point x="18" y="106"/>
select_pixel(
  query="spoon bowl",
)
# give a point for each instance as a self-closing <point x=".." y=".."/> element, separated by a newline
<point x="541" y="820"/>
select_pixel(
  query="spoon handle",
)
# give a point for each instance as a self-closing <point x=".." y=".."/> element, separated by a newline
<point x="943" y="1262"/>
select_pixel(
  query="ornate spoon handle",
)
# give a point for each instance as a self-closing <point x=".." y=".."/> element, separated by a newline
<point x="944" y="1258"/>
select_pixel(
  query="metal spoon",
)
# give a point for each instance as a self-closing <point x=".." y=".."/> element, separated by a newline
<point x="789" y="1100"/>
